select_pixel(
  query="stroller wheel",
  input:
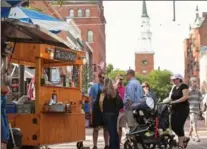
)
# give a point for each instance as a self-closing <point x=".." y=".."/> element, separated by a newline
<point x="166" y="141"/>
<point x="149" y="146"/>
<point x="130" y="144"/>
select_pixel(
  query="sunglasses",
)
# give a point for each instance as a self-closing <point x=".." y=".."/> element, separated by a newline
<point x="102" y="77"/>
<point x="143" y="86"/>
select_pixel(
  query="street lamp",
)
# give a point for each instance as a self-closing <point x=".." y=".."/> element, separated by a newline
<point x="173" y="10"/>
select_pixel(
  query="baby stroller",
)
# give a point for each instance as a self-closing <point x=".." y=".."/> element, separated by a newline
<point x="153" y="128"/>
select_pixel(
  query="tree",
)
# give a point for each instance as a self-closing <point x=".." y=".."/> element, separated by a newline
<point x="113" y="74"/>
<point x="109" y="68"/>
<point x="160" y="82"/>
<point x="85" y="78"/>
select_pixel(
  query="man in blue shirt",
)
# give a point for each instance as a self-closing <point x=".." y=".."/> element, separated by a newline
<point x="97" y="120"/>
<point x="133" y="93"/>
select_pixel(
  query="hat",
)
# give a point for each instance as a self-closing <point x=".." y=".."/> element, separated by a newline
<point x="176" y="76"/>
<point x="193" y="79"/>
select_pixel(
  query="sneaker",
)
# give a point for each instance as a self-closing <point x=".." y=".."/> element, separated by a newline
<point x="197" y="139"/>
<point x="95" y="147"/>
<point x="191" y="138"/>
<point x="106" y="147"/>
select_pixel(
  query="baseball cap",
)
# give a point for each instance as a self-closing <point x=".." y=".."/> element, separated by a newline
<point x="176" y="76"/>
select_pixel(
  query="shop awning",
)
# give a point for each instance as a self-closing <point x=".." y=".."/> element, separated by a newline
<point x="16" y="31"/>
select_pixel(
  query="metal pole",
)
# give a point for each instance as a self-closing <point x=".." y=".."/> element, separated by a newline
<point x="174" y="10"/>
<point x="21" y="80"/>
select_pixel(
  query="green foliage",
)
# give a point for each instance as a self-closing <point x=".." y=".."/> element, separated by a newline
<point x="159" y="80"/>
<point x="85" y="78"/>
<point x="110" y="68"/>
<point x="113" y="74"/>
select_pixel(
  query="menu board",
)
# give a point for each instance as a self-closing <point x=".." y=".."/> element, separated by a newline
<point x="64" y="55"/>
<point x="75" y="75"/>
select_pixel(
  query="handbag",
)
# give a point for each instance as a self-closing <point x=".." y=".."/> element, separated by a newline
<point x="119" y="102"/>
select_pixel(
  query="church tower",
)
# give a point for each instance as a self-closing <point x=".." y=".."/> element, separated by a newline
<point x="144" y="55"/>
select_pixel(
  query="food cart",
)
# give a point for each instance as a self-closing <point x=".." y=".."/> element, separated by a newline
<point x="64" y="120"/>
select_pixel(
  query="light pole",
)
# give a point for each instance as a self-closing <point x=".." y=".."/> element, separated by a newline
<point x="174" y="10"/>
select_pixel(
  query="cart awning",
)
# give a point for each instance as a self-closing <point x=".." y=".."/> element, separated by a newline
<point x="16" y="31"/>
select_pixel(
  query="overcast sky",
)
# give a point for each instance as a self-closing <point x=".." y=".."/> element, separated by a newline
<point x="123" y="30"/>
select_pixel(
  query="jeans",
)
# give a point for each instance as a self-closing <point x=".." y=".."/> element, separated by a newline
<point x="4" y="121"/>
<point x="110" y="121"/>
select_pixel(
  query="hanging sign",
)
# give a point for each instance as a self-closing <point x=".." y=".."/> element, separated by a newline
<point x="64" y="55"/>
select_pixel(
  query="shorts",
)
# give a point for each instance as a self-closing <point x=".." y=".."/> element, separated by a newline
<point x="121" y="121"/>
<point x="193" y="118"/>
<point x="130" y="118"/>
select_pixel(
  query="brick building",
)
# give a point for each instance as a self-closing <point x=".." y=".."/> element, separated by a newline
<point x="89" y="16"/>
<point x="192" y="45"/>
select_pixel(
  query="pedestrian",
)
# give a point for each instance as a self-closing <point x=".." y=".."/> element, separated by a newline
<point x="4" y="121"/>
<point x="147" y="91"/>
<point x="121" y="122"/>
<point x="97" y="117"/>
<point x="195" y="101"/>
<point x="132" y="95"/>
<point x="180" y="108"/>
<point x="204" y="108"/>
<point x="110" y="105"/>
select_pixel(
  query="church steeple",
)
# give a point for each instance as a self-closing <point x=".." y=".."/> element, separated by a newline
<point x="144" y="9"/>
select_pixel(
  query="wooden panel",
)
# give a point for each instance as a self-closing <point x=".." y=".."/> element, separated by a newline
<point x="62" y="128"/>
<point x="26" y="122"/>
<point x="26" y="52"/>
<point x="64" y="95"/>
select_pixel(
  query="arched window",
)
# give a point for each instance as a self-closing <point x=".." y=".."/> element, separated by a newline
<point x="80" y="13"/>
<point x="71" y="13"/>
<point x="87" y="12"/>
<point x="90" y="36"/>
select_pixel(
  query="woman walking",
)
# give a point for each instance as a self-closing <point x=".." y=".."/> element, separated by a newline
<point x="180" y="108"/>
<point x="110" y="103"/>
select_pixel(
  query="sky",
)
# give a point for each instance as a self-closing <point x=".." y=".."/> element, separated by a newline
<point x="123" y="30"/>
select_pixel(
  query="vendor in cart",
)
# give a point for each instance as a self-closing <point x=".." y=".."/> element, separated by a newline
<point x="31" y="86"/>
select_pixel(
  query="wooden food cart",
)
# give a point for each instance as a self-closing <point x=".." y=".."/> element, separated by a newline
<point x="43" y="127"/>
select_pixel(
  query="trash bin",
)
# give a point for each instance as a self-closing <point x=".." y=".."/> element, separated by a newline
<point x="17" y="138"/>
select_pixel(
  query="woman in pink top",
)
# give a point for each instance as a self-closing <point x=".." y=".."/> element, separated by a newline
<point x="121" y="118"/>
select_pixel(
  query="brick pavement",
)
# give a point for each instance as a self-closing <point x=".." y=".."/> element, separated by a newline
<point x="88" y="141"/>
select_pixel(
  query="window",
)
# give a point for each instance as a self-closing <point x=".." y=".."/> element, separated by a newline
<point x="87" y="12"/>
<point x="71" y="13"/>
<point x="80" y="13"/>
<point x="90" y="36"/>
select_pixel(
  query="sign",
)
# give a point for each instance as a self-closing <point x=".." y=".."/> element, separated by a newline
<point x="64" y="55"/>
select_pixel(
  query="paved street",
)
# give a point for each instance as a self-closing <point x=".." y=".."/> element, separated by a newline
<point x="88" y="142"/>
